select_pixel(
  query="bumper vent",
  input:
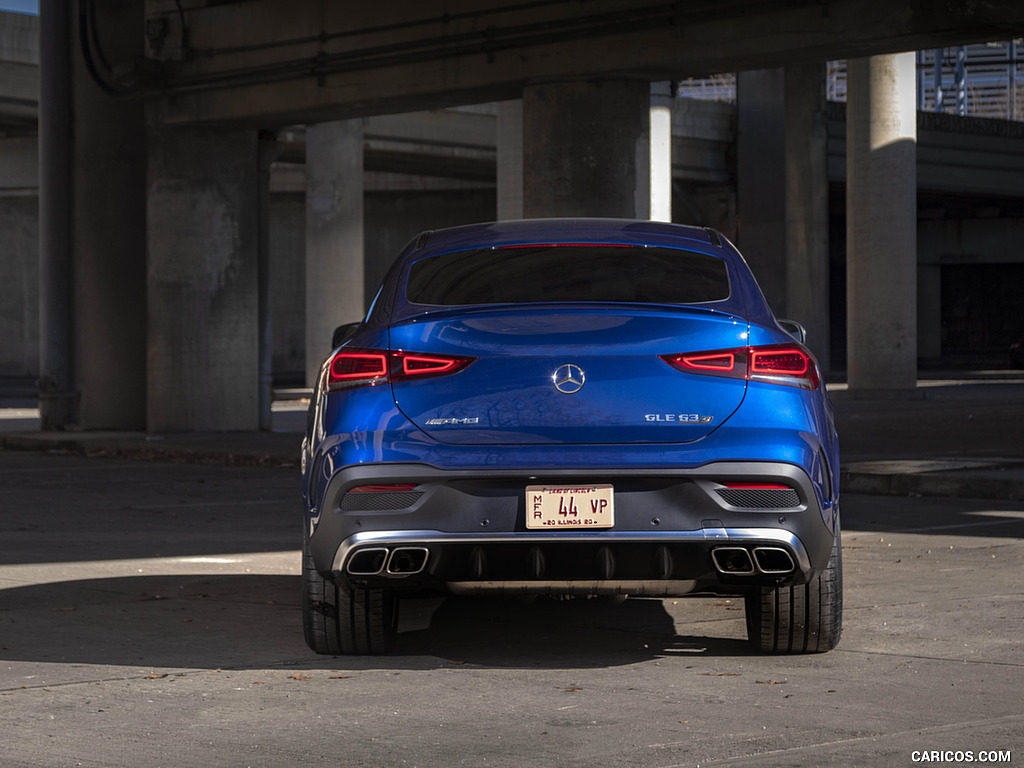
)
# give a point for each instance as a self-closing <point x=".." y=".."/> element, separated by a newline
<point x="379" y="502"/>
<point x="759" y="498"/>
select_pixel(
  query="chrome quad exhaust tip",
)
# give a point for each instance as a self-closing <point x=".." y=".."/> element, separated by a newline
<point x="382" y="561"/>
<point x="739" y="561"/>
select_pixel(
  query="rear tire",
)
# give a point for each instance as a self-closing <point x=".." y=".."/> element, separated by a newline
<point x="344" y="620"/>
<point x="805" y="618"/>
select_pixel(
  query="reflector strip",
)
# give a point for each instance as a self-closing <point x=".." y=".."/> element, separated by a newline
<point x="382" y="488"/>
<point x="569" y="245"/>
<point x="756" y="486"/>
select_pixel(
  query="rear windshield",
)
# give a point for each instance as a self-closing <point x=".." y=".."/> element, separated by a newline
<point x="568" y="273"/>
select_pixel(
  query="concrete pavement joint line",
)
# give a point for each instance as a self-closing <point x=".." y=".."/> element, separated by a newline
<point x="860" y="739"/>
<point x="951" y="526"/>
<point x="908" y="603"/>
<point x="886" y="466"/>
<point x="281" y="666"/>
<point x="110" y="466"/>
<point x="96" y="681"/>
<point x="944" y="659"/>
<point x="234" y="502"/>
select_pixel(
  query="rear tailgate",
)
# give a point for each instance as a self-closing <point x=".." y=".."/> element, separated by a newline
<point x="568" y="375"/>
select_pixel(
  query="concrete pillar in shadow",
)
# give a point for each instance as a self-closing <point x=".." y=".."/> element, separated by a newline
<point x="56" y="398"/>
<point x="806" y="179"/>
<point x="929" y="311"/>
<point x="334" y="234"/>
<point x="510" y="159"/>
<point x="586" y="149"/>
<point x="203" y="352"/>
<point x="761" y="179"/>
<point x="881" y="223"/>
<point x="269" y="149"/>
<point x="109" y="269"/>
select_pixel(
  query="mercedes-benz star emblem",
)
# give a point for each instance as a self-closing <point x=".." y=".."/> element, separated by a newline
<point x="569" y="379"/>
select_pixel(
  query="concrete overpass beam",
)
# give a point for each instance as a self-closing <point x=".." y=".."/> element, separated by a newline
<point x="334" y="234"/>
<point x="881" y="228"/>
<point x="203" y="359"/>
<point x="586" y="149"/>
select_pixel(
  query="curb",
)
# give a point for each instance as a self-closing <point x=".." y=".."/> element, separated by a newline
<point x="941" y="485"/>
<point x="135" y="450"/>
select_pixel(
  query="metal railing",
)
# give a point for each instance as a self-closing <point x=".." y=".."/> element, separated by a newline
<point x="984" y="80"/>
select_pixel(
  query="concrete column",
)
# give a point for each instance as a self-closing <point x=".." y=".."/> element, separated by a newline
<point x="806" y="249"/>
<point x="288" y="286"/>
<point x="56" y="398"/>
<point x="510" y="159"/>
<point x="19" y="271"/>
<point x="761" y="179"/>
<point x="881" y="228"/>
<point x="109" y="263"/>
<point x="269" y="148"/>
<point x="586" y="149"/>
<point x="929" y="311"/>
<point x="334" y="234"/>
<point x="661" y="151"/>
<point x="203" y="354"/>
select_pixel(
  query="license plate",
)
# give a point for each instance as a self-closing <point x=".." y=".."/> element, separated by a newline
<point x="569" y="507"/>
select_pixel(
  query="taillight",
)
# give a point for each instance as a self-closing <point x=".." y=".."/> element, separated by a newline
<point x="370" y="367"/>
<point x="731" y="363"/>
<point x="421" y="366"/>
<point x="776" y="364"/>
<point x="361" y="367"/>
<point x="783" y="364"/>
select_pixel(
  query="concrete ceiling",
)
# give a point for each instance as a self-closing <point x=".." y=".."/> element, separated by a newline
<point x="275" y="62"/>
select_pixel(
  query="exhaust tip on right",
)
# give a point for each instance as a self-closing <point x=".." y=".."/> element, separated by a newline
<point x="406" y="561"/>
<point x="773" y="560"/>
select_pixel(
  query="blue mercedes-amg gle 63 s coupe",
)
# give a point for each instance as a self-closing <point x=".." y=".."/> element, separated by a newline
<point x="570" y="408"/>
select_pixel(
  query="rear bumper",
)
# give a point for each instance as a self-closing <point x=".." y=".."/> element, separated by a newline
<point x="676" y="533"/>
<point x="611" y="562"/>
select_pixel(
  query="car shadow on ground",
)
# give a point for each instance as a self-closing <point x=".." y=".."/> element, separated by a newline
<point x="254" y="621"/>
<point x="502" y="632"/>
